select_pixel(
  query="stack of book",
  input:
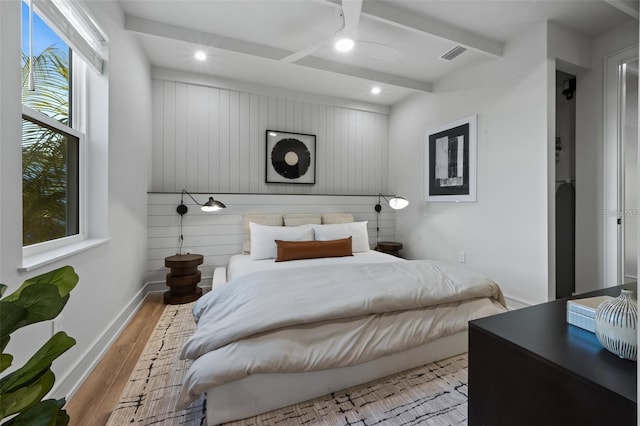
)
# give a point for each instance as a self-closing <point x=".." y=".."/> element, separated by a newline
<point x="582" y="312"/>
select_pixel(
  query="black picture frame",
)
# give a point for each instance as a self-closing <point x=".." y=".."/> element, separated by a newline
<point x="290" y="157"/>
<point x="450" y="161"/>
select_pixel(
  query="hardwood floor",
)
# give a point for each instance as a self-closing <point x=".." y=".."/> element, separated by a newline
<point x="97" y="397"/>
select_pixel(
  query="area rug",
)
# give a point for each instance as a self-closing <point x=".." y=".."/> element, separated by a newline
<point x="434" y="394"/>
<point x="150" y="395"/>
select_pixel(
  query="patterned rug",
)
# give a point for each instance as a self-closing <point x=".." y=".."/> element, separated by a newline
<point x="434" y="394"/>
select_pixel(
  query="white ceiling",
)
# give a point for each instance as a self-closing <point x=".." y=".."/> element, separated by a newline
<point x="245" y="39"/>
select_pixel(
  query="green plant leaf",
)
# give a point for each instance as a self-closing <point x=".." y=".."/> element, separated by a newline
<point x="64" y="279"/>
<point x="5" y="361"/>
<point x="4" y="341"/>
<point x="26" y="396"/>
<point x="62" y="419"/>
<point x="40" y="298"/>
<point x="38" y="364"/>
<point x="10" y="316"/>
<point x="3" y="288"/>
<point x="41" y="303"/>
<point x="46" y="413"/>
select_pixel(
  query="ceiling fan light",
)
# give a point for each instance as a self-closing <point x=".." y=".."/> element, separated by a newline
<point x="344" y="44"/>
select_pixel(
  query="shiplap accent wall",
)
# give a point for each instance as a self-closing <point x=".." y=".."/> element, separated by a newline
<point x="219" y="235"/>
<point x="211" y="139"/>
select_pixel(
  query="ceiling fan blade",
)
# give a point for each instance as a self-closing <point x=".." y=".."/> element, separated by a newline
<point x="304" y="52"/>
<point x="351" y="11"/>
<point x="379" y="51"/>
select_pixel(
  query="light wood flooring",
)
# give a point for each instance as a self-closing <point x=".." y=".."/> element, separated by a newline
<point x="98" y="395"/>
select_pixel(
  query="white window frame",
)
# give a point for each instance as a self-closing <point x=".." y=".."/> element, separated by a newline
<point x="78" y="121"/>
<point x="38" y="248"/>
<point x="75" y="20"/>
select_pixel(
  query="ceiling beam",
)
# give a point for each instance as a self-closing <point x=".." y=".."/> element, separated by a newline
<point x="630" y="7"/>
<point x="159" y="29"/>
<point x="405" y="19"/>
<point x="365" y="73"/>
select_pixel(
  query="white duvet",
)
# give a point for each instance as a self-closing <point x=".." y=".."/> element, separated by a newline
<point x="320" y="317"/>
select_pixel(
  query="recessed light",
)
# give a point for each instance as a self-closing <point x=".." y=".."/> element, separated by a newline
<point x="375" y="90"/>
<point x="344" y="44"/>
<point x="200" y="55"/>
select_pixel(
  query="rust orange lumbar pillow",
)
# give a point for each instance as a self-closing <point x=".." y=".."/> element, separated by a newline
<point x="293" y="250"/>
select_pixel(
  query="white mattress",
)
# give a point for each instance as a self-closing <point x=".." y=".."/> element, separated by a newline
<point x="241" y="264"/>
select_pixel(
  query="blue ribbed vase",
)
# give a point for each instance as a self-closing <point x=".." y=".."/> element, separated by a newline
<point x="615" y="323"/>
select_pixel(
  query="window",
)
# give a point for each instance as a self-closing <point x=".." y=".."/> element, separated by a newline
<point x="51" y="148"/>
<point x="64" y="45"/>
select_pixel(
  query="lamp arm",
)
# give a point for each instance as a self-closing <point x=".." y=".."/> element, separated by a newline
<point x="182" y="209"/>
<point x="382" y="195"/>
<point x="184" y="191"/>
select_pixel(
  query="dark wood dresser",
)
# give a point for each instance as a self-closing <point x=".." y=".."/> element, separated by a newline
<point x="530" y="367"/>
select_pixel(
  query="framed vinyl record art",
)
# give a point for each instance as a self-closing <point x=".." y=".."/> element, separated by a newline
<point x="450" y="161"/>
<point x="291" y="157"/>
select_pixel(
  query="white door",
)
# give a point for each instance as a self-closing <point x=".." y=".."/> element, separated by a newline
<point x="629" y="172"/>
<point x="620" y="167"/>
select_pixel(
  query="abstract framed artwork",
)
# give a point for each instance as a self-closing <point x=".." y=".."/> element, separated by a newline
<point x="450" y="161"/>
<point x="291" y="157"/>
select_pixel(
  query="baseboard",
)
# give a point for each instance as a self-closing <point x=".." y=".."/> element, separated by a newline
<point x="68" y="384"/>
<point x="513" y="303"/>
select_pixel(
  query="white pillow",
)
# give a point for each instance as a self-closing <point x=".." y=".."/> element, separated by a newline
<point x="260" y="218"/>
<point x="356" y="230"/>
<point x="263" y="238"/>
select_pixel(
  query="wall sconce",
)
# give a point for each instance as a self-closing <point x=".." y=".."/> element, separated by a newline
<point x="210" y="206"/>
<point x="395" y="202"/>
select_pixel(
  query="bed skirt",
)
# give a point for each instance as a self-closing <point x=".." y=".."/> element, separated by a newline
<point x="260" y="393"/>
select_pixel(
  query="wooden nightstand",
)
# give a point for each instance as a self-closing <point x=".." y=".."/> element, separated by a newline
<point x="390" y="247"/>
<point x="183" y="279"/>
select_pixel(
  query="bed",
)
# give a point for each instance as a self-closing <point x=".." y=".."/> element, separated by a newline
<point x="278" y="333"/>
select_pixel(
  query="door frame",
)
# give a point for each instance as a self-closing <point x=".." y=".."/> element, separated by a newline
<point x="613" y="167"/>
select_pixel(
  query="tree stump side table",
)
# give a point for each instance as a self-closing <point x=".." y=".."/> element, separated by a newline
<point x="183" y="279"/>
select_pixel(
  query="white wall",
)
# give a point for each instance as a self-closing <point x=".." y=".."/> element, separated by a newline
<point x="10" y="133"/>
<point x="504" y="234"/>
<point x="509" y="232"/>
<point x="111" y="275"/>
<point x="11" y="177"/>
<point x="209" y="138"/>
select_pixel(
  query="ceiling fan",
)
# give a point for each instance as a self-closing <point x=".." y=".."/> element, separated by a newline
<point x="345" y="39"/>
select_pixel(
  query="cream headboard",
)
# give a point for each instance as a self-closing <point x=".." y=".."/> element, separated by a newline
<point x="295" y="219"/>
<point x="331" y="218"/>
<point x="298" y="219"/>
